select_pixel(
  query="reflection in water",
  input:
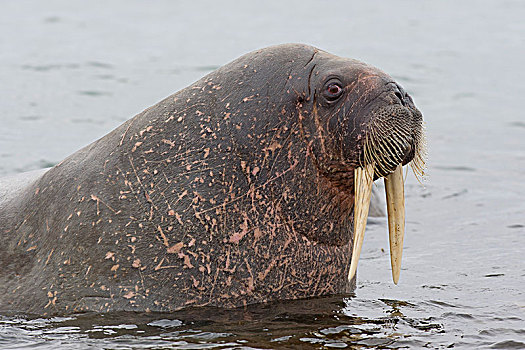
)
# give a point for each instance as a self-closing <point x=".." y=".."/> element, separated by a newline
<point x="309" y="323"/>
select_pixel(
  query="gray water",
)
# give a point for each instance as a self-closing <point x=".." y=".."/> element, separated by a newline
<point x="71" y="71"/>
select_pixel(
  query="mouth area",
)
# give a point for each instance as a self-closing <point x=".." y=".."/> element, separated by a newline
<point x="394" y="136"/>
<point x="388" y="145"/>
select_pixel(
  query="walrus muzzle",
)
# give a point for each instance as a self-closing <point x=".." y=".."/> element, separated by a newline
<point x="390" y="142"/>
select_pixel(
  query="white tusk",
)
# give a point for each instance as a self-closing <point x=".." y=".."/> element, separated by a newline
<point x="363" y="179"/>
<point x="395" y="204"/>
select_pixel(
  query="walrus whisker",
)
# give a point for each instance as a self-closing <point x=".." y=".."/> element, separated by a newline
<point x="396" y="144"/>
<point x="366" y="151"/>
<point x="390" y="150"/>
<point x="420" y="154"/>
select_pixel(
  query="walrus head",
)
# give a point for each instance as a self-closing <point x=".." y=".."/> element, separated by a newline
<point x="356" y="124"/>
<point x="360" y="125"/>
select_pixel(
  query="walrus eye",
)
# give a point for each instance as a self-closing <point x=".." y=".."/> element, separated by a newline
<point x="333" y="91"/>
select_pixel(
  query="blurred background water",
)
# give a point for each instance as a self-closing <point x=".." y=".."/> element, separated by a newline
<point x="71" y="71"/>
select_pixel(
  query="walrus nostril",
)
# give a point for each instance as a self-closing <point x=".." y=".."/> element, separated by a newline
<point x="400" y="93"/>
<point x="400" y="97"/>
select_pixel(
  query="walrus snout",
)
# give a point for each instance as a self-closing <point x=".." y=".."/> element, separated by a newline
<point x="393" y="136"/>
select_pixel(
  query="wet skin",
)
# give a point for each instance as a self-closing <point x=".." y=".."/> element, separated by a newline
<point x="235" y="190"/>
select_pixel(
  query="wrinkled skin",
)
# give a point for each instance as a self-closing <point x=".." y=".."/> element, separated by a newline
<point x="235" y="190"/>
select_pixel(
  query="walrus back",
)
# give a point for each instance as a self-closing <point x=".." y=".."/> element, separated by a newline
<point x="12" y="185"/>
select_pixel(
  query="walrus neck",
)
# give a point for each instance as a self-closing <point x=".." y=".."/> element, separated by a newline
<point x="307" y="193"/>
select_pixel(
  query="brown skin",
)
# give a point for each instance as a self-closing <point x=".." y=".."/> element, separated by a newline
<point x="235" y="190"/>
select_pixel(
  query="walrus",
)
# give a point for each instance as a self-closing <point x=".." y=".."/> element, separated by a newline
<point x="251" y="185"/>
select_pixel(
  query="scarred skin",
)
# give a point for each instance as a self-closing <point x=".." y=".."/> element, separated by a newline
<point x="235" y="190"/>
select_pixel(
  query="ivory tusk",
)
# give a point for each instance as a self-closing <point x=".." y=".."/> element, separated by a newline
<point x="395" y="203"/>
<point x="363" y="179"/>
